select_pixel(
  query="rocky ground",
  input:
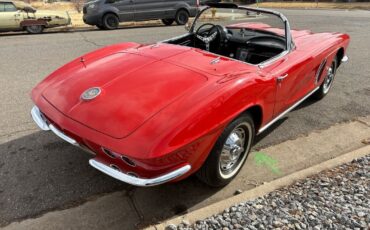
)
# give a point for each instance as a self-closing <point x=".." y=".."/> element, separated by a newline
<point x="334" y="199"/>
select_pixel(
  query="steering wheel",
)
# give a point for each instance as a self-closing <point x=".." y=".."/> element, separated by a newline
<point x="210" y="34"/>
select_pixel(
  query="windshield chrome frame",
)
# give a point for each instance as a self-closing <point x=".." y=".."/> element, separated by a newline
<point x="289" y="40"/>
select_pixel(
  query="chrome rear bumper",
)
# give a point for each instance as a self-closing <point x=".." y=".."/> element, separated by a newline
<point x="139" y="181"/>
<point x="43" y="124"/>
<point x="40" y="120"/>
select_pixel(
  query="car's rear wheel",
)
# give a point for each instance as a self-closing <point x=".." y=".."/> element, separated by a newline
<point x="35" y="29"/>
<point x="182" y="17"/>
<point x="110" y="22"/>
<point x="328" y="81"/>
<point x="229" y="153"/>
<point x="168" y="22"/>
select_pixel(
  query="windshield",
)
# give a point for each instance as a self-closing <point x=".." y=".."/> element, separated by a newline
<point x="242" y="21"/>
<point x="24" y="6"/>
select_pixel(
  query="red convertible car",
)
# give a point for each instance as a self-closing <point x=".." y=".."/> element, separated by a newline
<point x="156" y="113"/>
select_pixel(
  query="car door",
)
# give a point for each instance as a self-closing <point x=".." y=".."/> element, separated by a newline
<point x="148" y="9"/>
<point x="293" y="79"/>
<point x="10" y="17"/>
<point x="169" y="8"/>
<point x="125" y="9"/>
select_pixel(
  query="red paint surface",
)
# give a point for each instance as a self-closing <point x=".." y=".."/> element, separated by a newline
<point x="165" y="105"/>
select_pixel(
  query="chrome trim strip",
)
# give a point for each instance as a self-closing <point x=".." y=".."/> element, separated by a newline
<point x="290" y="45"/>
<point x="286" y="111"/>
<point x="273" y="59"/>
<point x="130" y="179"/>
<point x="174" y="38"/>
<point x="62" y="135"/>
<point x="345" y="59"/>
<point x="38" y="119"/>
<point x="320" y="71"/>
<point x="42" y="123"/>
<point x="139" y="181"/>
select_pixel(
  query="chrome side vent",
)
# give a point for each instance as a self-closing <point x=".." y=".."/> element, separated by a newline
<point x="132" y="174"/>
<point x="108" y="153"/>
<point x="113" y="166"/>
<point x="128" y="161"/>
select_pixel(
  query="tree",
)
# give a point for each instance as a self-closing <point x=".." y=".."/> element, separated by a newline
<point x="78" y="4"/>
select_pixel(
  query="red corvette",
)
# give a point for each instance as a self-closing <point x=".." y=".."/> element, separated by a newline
<point x="191" y="104"/>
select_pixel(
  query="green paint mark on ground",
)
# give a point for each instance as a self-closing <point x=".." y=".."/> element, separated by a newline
<point x="264" y="160"/>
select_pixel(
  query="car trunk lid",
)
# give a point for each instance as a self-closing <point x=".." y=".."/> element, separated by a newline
<point x="133" y="89"/>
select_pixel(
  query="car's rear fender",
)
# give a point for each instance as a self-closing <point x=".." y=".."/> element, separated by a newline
<point x="343" y="45"/>
<point x="205" y="116"/>
<point x="34" y="22"/>
<point x="336" y="50"/>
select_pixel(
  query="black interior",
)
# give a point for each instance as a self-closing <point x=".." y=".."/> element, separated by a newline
<point x="247" y="45"/>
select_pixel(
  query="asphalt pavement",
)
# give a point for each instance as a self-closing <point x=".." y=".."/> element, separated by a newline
<point x="39" y="172"/>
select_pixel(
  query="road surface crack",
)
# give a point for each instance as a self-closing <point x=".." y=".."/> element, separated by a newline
<point x="131" y="196"/>
<point x="89" y="41"/>
<point x="18" y="131"/>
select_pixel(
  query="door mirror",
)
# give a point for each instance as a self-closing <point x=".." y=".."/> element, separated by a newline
<point x="187" y="26"/>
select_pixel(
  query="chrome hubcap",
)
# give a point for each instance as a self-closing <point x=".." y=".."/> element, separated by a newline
<point x="232" y="150"/>
<point x="328" y="80"/>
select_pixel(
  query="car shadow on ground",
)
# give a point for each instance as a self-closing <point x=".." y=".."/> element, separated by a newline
<point x="309" y="101"/>
<point x="40" y="173"/>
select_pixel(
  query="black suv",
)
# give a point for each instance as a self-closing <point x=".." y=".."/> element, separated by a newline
<point x="106" y="14"/>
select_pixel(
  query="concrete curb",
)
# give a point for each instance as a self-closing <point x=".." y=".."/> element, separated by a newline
<point x="263" y="189"/>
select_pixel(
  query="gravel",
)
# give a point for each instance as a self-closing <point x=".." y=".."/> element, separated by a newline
<point x="335" y="199"/>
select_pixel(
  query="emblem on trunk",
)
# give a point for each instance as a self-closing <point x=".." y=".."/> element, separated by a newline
<point x="90" y="93"/>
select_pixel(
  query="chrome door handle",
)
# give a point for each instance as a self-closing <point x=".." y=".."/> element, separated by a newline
<point x="281" y="78"/>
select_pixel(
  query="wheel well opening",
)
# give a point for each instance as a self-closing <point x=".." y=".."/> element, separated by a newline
<point x="183" y="9"/>
<point x="256" y="113"/>
<point x="339" y="56"/>
<point x="109" y="13"/>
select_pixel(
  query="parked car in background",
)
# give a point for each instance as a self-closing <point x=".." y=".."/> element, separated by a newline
<point x="18" y="16"/>
<point x="107" y="14"/>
